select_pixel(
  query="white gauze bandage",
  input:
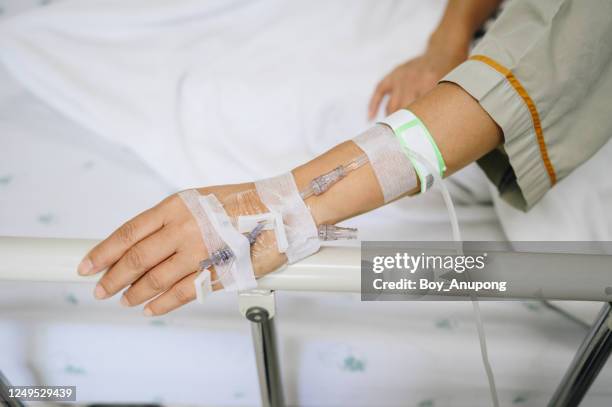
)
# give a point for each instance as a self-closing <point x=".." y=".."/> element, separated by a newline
<point x="416" y="142"/>
<point x="280" y="195"/>
<point x="393" y="169"/>
<point x="218" y="233"/>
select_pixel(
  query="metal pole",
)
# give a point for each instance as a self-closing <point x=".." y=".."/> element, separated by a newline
<point x="5" y="400"/>
<point x="338" y="269"/>
<point x="590" y="358"/>
<point x="264" y="340"/>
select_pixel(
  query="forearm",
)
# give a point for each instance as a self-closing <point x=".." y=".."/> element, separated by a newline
<point x="459" y="23"/>
<point x="462" y="130"/>
<point x="462" y="18"/>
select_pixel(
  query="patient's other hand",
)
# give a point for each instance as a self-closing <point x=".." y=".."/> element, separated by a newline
<point x="156" y="254"/>
<point x="417" y="76"/>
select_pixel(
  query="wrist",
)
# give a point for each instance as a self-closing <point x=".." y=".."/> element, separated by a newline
<point x="450" y="39"/>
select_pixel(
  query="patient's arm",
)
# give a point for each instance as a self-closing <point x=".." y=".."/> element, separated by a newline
<point x="158" y="251"/>
<point x="448" y="46"/>
<point x="463" y="131"/>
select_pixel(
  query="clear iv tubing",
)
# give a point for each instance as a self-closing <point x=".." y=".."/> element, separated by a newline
<point x="323" y="182"/>
<point x="450" y="207"/>
<point x="225" y="255"/>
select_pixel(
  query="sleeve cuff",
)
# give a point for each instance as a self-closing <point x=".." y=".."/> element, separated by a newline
<point x="500" y="98"/>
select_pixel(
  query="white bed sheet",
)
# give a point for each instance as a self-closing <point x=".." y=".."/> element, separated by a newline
<point x="58" y="179"/>
<point x="76" y="173"/>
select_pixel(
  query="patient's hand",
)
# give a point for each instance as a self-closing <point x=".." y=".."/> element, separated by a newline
<point x="414" y="78"/>
<point x="156" y="254"/>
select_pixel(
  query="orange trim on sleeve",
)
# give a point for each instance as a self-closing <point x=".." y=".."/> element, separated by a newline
<point x="535" y="117"/>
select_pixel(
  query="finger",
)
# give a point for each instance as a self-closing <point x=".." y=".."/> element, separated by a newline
<point x="107" y="252"/>
<point x="137" y="260"/>
<point x="394" y="101"/>
<point x="159" y="279"/>
<point x="180" y="294"/>
<point x="381" y="89"/>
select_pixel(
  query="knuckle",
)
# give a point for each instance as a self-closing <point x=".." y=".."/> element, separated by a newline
<point x="96" y="258"/>
<point x="132" y="299"/>
<point x="108" y="284"/>
<point x="170" y="201"/>
<point x="154" y="281"/>
<point x="190" y="229"/>
<point x="382" y="85"/>
<point x="127" y="232"/>
<point x="167" y="209"/>
<point x="182" y="294"/>
<point x="135" y="258"/>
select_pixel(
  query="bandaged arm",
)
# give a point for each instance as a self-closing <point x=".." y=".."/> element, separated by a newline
<point x="462" y="130"/>
<point x="158" y="254"/>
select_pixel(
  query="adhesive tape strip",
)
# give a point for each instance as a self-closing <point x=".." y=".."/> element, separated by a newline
<point x="212" y="241"/>
<point x="218" y="233"/>
<point x="393" y="169"/>
<point x="241" y="267"/>
<point x="281" y="195"/>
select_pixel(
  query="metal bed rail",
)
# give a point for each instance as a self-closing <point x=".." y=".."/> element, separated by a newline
<point x="338" y="269"/>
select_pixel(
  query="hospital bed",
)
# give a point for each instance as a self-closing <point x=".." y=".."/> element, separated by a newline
<point x="59" y="159"/>
<point x="29" y="260"/>
<point x="59" y="179"/>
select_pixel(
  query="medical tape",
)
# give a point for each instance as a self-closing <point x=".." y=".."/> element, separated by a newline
<point x="393" y="169"/>
<point x="241" y="269"/>
<point x="212" y="241"/>
<point x="214" y="225"/>
<point x="280" y="194"/>
<point x="414" y="136"/>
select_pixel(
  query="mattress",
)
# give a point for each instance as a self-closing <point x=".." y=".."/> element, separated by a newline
<point x="59" y="179"/>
